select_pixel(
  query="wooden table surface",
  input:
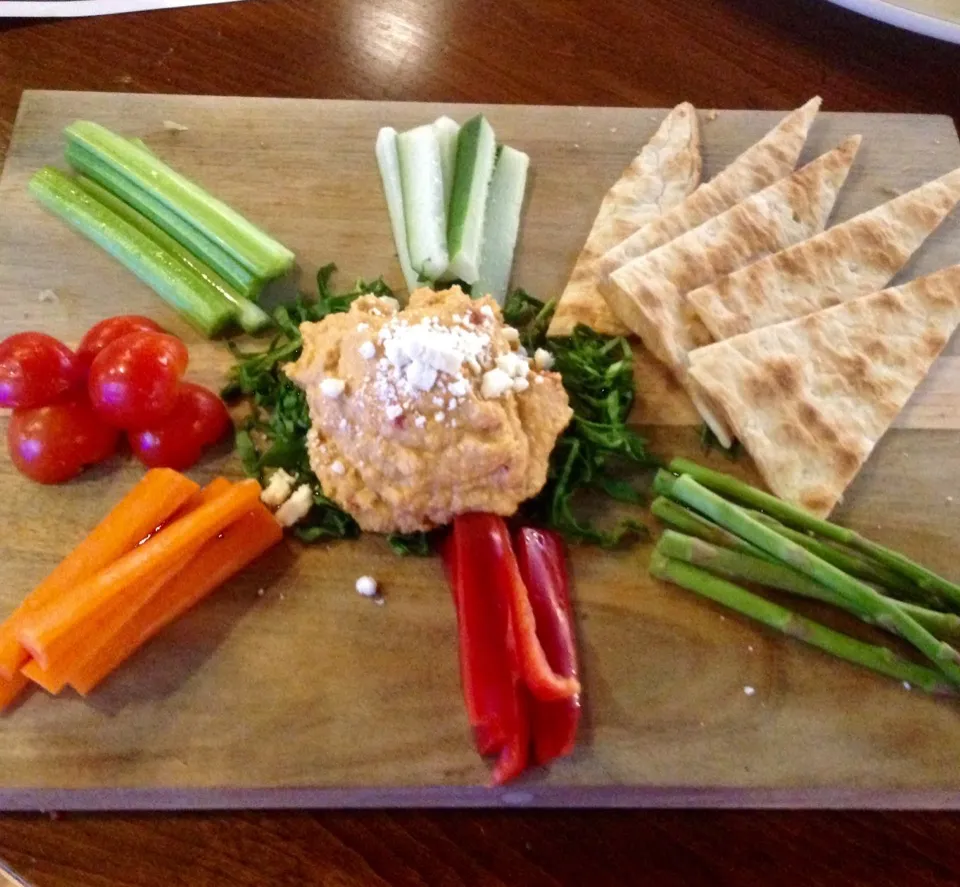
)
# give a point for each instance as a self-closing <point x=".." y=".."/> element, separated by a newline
<point x="715" y="53"/>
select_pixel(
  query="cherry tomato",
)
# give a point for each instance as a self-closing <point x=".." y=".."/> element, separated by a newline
<point x="35" y="369"/>
<point x="198" y="420"/>
<point x="135" y="380"/>
<point x="53" y="443"/>
<point x="106" y="331"/>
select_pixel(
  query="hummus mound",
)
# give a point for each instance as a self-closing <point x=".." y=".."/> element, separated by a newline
<point x="422" y="414"/>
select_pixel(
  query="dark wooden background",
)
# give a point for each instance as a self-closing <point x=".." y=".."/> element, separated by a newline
<point x="715" y="53"/>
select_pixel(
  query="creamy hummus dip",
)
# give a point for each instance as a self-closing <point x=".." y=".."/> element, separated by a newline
<point x="428" y="412"/>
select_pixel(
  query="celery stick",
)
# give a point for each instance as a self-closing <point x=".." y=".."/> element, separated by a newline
<point x="476" y="152"/>
<point x="251" y="317"/>
<point x="390" y="175"/>
<point x="447" y="131"/>
<point x="201" y="304"/>
<point x="261" y="254"/>
<point x="242" y="280"/>
<point x="502" y="223"/>
<point x="421" y="178"/>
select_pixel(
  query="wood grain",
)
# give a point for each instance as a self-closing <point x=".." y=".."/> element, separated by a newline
<point x="726" y="53"/>
<point x="326" y="688"/>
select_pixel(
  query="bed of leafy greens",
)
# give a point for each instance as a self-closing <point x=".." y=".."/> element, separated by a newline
<point x="594" y="454"/>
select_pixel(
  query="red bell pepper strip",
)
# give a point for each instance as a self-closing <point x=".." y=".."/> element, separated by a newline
<point x="489" y="663"/>
<point x="543" y="570"/>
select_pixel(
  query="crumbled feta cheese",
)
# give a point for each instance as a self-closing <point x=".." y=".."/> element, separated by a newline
<point x="474" y="364"/>
<point x="390" y="302"/>
<point x="420" y="421"/>
<point x="513" y="365"/>
<point x="486" y="311"/>
<point x="452" y="403"/>
<point x="278" y="489"/>
<point x="510" y="334"/>
<point x="394" y="411"/>
<point x="421" y="376"/>
<point x="749" y="691"/>
<point x="459" y="387"/>
<point x="438" y="401"/>
<point x="538" y="380"/>
<point x="331" y="387"/>
<point x="367" y="586"/>
<point x="362" y="327"/>
<point x="520" y="384"/>
<point x="337" y="467"/>
<point x="495" y="383"/>
<point x="543" y="359"/>
<point x="439" y="416"/>
<point x="296" y="507"/>
<point x="367" y="350"/>
<point x="343" y="424"/>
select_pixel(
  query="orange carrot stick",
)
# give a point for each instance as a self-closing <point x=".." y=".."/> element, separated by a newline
<point x="158" y="495"/>
<point x="61" y="624"/>
<point x="54" y="677"/>
<point x="221" y="558"/>
<point x="10" y="690"/>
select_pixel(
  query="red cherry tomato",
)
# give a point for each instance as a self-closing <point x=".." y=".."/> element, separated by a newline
<point x="51" y="444"/>
<point x="198" y="420"/>
<point x="106" y="331"/>
<point x="35" y="369"/>
<point x="135" y="380"/>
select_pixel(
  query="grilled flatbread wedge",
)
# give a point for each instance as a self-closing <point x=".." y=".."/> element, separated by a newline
<point x="766" y="162"/>
<point x="810" y="398"/>
<point x="852" y="259"/>
<point x="648" y="293"/>
<point x="660" y="177"/>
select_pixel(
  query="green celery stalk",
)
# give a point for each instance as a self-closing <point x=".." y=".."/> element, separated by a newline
<point x="257" y="251"/>
<point x="251" y="317"/>
<point x="200" y="303"/>
<point x="242" y="280"/>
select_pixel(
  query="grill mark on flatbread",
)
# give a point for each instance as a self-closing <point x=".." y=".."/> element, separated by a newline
<point x="857" y="257"/>
<point x="647" y="294"/>
<point x="810" y="398"/>
<point x="665" y="172"/>
<point x="762" y="164"/>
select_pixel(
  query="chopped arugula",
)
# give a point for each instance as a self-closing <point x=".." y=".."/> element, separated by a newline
<point x="413" y="544"/>
<point x="597" y="373"/>
<point x="275" y="434"/>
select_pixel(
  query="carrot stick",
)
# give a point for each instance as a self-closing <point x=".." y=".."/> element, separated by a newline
<point x="220" y="559"/>
<point x="10" y="690"/>
<point x="158" y="495"/>
<point x="54" y="677"/>
<point x="61" y="624"/>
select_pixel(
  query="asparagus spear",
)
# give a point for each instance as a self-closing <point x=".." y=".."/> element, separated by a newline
<point x="748" y="568"/>
<point x="883" y="610"/>
<point x="879" y="659"/>
<point x="693" y="524"/>
<point x="802" y="520"/>
<point x="853" y="563"/>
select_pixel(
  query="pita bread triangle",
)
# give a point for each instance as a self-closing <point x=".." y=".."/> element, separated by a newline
<point x="810" y="398"/>
<point x="762" y="164"/>
<point x="851" y="259"/>
<point x="659" y="177"/>
<point x="648" y="293"/>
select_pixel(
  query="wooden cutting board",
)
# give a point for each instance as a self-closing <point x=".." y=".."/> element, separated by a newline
<point x="287" y="688"/>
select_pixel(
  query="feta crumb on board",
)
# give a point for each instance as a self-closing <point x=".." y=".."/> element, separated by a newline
<point x="749" y="691"/>
<point x="278" y="489"/>
<point x="367" y="586"/>
<point x="296" y="507"/>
